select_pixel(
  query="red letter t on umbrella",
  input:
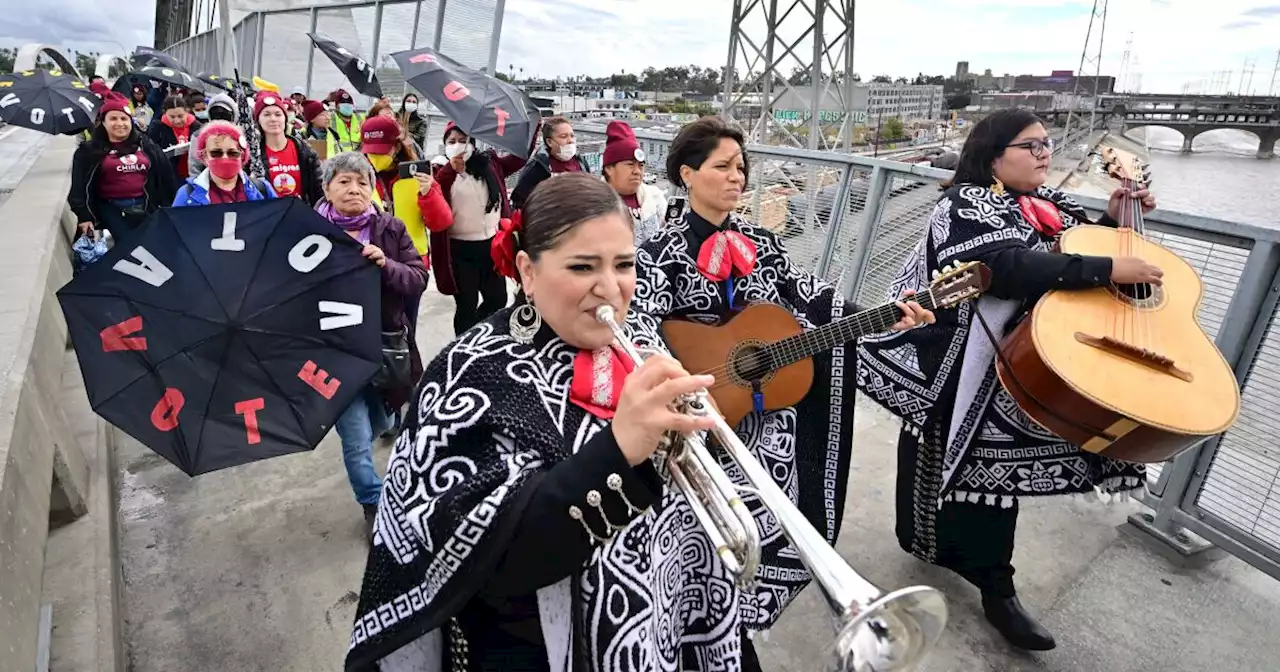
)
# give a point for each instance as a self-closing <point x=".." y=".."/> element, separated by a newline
<point x="503" y="116"/>
<point x="249" y="409"/>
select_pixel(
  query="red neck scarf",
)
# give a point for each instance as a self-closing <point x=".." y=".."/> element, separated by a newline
<point x="597" y="380"/>
<point x="1042" y="215"/>
<point x="726" y="253"/>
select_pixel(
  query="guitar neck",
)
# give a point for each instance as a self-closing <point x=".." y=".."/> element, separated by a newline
<point x="872" y="321"/>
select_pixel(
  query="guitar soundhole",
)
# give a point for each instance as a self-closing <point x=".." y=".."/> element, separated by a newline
<point x="750" y="362"/>
<point x="1141" y="295"/>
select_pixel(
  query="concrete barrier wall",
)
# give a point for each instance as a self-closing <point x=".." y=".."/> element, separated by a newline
<point x="42" y="466"/>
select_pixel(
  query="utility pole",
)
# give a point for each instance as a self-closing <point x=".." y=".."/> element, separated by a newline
<point x="1100" y="14"/>
<point x="1271" y="90"/>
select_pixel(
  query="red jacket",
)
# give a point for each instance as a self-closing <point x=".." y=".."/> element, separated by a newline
<point x="503" y="167"/>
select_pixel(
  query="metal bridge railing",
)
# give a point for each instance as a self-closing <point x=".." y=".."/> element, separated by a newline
<point x="853" y="219"/>
<point x="274" y="45"/>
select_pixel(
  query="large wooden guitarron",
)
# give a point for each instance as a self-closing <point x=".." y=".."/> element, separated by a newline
<point x="1123" y="371"/>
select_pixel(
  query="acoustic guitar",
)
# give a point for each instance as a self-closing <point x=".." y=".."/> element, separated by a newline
<point x="1123" y="371"/>
<point x="762" y="358"/>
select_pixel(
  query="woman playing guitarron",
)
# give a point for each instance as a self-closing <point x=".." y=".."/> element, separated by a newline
<point x="967" y="452"/>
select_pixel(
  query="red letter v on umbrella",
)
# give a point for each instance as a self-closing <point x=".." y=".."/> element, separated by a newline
<point x="113" y="337"/>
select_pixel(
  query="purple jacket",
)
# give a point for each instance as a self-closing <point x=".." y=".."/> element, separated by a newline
<point x="403" y="276"/>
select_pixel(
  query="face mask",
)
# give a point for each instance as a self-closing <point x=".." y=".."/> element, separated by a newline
<point x="381" y="162"/>
<point x="567" y="152"/>
<point x="410" y="107"/>
<point x="462" y="149"/>
<point x="202" y="115"/>
<point x="345" y="109"/>
<point x="224" y="168"/>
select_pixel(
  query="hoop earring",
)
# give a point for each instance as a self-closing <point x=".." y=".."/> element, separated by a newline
<point x="525" y="323"/>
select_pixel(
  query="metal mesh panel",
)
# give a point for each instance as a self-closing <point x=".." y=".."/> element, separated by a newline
<point x="246" y="36"/>
<point x="284" y="58"/>
<point x="853" y="224"/>
<point x="397" y="34"/>
<point x="1219" y="267"/>
<point x="352" y="28"/>
<point x="1242" y="486"/>
<point x="468" y="31"/>
<point x="908" y="200"/>
<point x="787" y="197"/>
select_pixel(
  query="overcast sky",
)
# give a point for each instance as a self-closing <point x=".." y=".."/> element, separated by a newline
<point x="1175" y="42"/>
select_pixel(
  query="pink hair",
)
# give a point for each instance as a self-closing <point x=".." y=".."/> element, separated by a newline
<point x="216" y="129"/>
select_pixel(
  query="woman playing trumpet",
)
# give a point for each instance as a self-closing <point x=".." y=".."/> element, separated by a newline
<point x="523" y="524"/>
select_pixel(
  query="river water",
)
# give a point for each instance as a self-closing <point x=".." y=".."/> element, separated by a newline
<point x="1221" y="178"/>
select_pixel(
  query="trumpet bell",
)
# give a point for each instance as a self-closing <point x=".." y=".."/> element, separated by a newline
<point x="896" y="632"/>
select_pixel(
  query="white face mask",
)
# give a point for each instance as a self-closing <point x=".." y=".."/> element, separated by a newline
<point x="567" y="152"/>
<point x="410" y="107"/>
<point x="458" y="148"/>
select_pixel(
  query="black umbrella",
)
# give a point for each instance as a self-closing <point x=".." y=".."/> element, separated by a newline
<point x="484" y="107"/>
<point x="47" y="101"/>
<point x="357" y="71"/>
<point x="174" y="76"/>
<point x="226" y="334"/>
<point x="227" y="84"/>
<point x="145" y="56"/>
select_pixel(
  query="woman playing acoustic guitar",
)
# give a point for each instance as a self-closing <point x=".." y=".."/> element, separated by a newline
<point x="967" y="452"/>
<point x="711" y="262"/>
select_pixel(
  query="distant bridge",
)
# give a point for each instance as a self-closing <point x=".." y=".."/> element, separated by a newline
<point x="1193" y="115"/>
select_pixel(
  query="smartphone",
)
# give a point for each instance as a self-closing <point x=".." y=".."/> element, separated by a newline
<point x="675" y="208"/>
<point x="410" y="168"/>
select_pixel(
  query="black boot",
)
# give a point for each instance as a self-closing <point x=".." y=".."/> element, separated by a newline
<point x="1017" y="626"/>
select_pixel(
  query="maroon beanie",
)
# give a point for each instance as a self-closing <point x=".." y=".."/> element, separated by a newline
<point x="113" y="103"/>
<point x="340" y="96"/>
<point x="311" y="109"/>
<point x="620" y="144"/>
<point x="266" y="99"/>
<point x="378" y="135"/>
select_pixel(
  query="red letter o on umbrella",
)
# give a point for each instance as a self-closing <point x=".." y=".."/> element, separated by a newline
<point x="455" y="91"/>
<point x="164" y="416"/>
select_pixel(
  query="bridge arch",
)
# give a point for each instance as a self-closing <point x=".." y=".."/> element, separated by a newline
<point x="1266" y="135"/>
<point x="29" y="55"/>
<point x="106" y="62"/>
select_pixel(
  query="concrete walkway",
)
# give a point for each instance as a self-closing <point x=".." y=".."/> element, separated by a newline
<point x="258" y="568"/>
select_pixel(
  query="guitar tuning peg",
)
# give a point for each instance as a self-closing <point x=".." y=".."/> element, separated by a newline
<point x="936" y="275"/>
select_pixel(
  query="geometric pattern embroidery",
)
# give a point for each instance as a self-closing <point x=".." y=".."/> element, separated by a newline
<point x="999" y="450"/>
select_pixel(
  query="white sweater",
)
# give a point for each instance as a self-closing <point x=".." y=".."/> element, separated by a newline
<point x="468" y="198"/>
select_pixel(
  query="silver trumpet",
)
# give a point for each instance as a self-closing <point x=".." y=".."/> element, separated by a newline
<point x="875" y="632"/>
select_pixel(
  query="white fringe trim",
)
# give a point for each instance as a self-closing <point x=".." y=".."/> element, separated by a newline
<point x="1109" y="492"/>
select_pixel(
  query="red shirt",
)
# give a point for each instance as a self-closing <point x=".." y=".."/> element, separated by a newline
<point x="570" y="166"/>
<point x="218" y="195"/>
<point x="121" y="175"/>
<point x="284" y="171"/>
<point x="633" y="204"/>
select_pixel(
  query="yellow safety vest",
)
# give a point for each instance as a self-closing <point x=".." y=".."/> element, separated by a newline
<point x="404" y="206"/>
<point x="348" y="135"/>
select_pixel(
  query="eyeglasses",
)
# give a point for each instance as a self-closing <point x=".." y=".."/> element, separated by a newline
<point x="1036" y="146"/>
<point x="219" y="153"/>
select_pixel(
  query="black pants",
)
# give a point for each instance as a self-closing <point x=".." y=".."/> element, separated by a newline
<point x="475" y="279"/>
<point x="973" y="540"/>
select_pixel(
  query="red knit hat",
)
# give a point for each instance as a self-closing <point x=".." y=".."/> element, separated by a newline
<point x="449" y="127"/>
<point x="113" y="103"/>
<point x="311" y="109"/>
<point x="340" y="96"/>
<point x="620" y="144"/>
<point x="379" y="135"/>
<point x="266" y="99"/>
